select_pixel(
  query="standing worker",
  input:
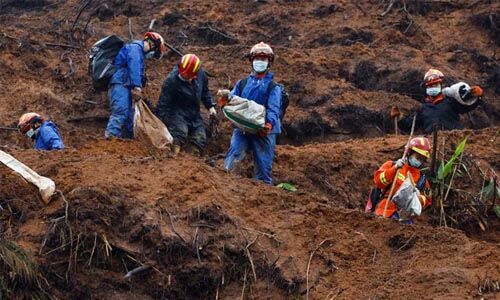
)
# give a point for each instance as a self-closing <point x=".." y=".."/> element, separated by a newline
<point x="418" y="152"/>
<point x="128" y="81"/>
<point x="184" y="89"/>
<point x="43" y="132"/>
<point x="259" y="87"/>
<point x="442" y="106"/>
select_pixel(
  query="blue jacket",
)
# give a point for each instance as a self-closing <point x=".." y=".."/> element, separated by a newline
<point x="48" y="137"/>
<point x="256" y="90"/>
<point x="179" y="97"/>
<point x="130" y="65"/>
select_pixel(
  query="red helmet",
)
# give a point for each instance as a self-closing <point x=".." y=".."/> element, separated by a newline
<point x="421" y="145"/>
<point x="433" y="76"/>
<point x="158" y="41"/>
<point x="262" y="50"/>
<point x="27" y="120"/>
<point x="189" y="66"/>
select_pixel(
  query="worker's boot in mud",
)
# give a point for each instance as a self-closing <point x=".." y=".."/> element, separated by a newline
<point x="193" y="149"/>
<point x="175" y="149"/>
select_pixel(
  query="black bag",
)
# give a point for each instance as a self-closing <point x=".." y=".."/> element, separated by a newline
<point x="101" y="58"/>
<point x="285" y="98"/>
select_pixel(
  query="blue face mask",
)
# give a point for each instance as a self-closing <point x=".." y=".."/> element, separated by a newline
<point x="433" y="91"/>
<point x="414" y="162"/>
<point x="259" y="66"/>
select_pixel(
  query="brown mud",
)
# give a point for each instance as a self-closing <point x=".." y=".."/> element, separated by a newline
<point x="183" y="228"/>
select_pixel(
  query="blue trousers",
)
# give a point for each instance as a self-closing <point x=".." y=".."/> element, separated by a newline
<point x="262" y="149"/>
<point x="121" y="121"/>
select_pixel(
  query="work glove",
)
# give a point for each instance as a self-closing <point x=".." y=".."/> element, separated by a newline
<point x="136" y="94"/>
<point x="395" y="112"/>
<point x="223" y="97"/>
<point x="212" y="112"/>
<point x="266" y="130"/>
<point x="400" y="162"/>
<point x="476" y="91"/>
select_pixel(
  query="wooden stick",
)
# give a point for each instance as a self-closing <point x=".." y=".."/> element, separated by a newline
<point x="388" y="9"/>
<point x="136" y="270"/>
<point x="130" y="29"/>
<point x="397" y="171"/>
<point x="309" y="265"/>
<point x="396" y="131"/>
<point x="151" y="24"/>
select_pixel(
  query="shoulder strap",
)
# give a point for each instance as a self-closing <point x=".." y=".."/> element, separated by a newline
<point x="242" y="83"/>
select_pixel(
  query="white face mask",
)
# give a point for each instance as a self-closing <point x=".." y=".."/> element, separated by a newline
<point x="259" y="66"/>
<point x="31" y="133"/>
<point x="149" y="55"/>
<point x="414" y="162"/>
<point x="433" y="91"/>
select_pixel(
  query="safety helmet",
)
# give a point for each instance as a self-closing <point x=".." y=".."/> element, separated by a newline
<point x="27" y="120"/>
<point x="262" y="50"/>
<point x="159" y="43"/>
<point x="189" y="66"/>
<point x="421" y="145"/>
<point x="433" y="76"/>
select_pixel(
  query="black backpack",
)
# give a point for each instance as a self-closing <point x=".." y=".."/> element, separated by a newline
<point x="101" y="58"/>
<point x="285" y="98"/>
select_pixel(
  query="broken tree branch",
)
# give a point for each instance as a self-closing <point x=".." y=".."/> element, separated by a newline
<point x="48" y="44"/>
<point x="136" y="270"/>
<point x="82" y="8"/>
<point x="173" y="227"/>
<point x="210" y="28"/>
<point x="250" y="258"/>
<point x="130" y="29"/>
<point x="309" y="265"/>
<point x="388" y="9"/>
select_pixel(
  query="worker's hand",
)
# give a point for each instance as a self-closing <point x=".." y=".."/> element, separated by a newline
<point x="212" y="112"/>
<point x="222" y="97"/>
<point x="267" y="129"/>
<point x="400" y="162"/>
<point x="476" y="91"/>
<point x="136" y="94"/>
<point x="395" y="112"/>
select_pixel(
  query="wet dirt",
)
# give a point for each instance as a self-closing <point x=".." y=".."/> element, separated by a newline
<point x="183" y="228"/>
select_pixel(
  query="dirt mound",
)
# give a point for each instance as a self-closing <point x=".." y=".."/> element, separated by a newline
<point x="136" y="223"/>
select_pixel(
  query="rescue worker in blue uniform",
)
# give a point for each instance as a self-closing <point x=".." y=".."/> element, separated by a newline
<point x="43" y="132"/>
<point x="256" y="88"/>
<point x="127" y="82"/>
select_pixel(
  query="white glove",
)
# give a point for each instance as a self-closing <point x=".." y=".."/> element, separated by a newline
<point x="400" y="162"/>
<point x="212" y="111"/>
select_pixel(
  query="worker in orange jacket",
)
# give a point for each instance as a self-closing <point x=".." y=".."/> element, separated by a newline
<point x="417" y="155"/>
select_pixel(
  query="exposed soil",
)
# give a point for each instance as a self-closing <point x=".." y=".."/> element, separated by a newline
<point x="201" y="233"/>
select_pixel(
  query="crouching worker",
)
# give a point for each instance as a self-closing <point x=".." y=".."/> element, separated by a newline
<point x="259" y="87"/>
<point x="403" y="171"/>
<point x="179" y="105"/>
<point x="43" y="132"/>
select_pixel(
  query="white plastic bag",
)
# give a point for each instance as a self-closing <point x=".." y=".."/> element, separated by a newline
<point x="407" y="198"/>
<point x="245" y="114"/>
<point x="148" y="128"/>
<point x="45" y="185"/>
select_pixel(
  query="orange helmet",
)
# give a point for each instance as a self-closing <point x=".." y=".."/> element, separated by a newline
<point x="158" y="41"/>
<point x="27" y="120"/>
<point x="189" y="66"/>
<point x="433" y="76"/>
<point x="262" y="50"/>
<point x="421" y="145"/>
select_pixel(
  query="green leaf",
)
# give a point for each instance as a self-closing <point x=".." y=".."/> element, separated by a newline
<point x="445" y="171"/>
<point x="496" y="209"/>
<point x="287" y="187"/>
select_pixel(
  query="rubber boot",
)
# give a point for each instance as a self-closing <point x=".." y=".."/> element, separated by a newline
<point x="175" y="149"/>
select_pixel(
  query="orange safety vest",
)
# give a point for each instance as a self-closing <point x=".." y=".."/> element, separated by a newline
<point x="383" y="178"/>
